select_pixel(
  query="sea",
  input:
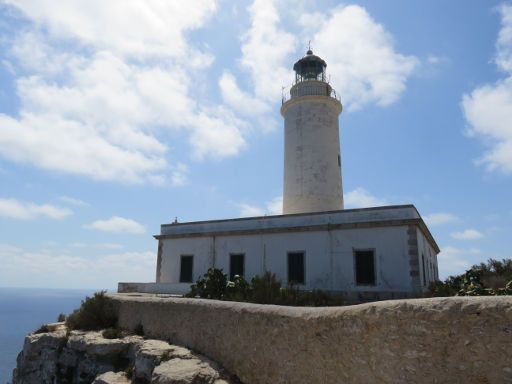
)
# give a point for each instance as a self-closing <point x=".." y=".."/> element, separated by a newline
<point x="23" y="310"/>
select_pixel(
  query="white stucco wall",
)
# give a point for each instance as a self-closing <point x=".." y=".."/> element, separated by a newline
<point x="329" y="256"/>
<point x="312" y="173"/>
<point x="427" y="261"/>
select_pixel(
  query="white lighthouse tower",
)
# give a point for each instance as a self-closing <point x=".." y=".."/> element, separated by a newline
<point x="312" y="159"/>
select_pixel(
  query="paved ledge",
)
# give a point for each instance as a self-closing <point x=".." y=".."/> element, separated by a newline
<point x="438" y="340"/>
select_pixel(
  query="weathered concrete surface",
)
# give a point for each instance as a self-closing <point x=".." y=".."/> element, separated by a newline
<point x="439" y="340"/>
<point x="58" y="357"/>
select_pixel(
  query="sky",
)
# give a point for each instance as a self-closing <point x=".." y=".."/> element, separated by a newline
<point x="116" y="117"/>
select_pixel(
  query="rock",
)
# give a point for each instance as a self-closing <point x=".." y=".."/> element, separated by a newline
<point x="93" y="343"/>
<point x="87" y="357"/>
<point x="151" y="353"/>
<point x="112" y="378"/>
<point x="185" y="371"/>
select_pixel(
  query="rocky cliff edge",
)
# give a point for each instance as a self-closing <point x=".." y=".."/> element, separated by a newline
<point x="61" y="357"/>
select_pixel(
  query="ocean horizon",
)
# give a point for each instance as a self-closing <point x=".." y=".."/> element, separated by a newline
<point x="23" y="310"/>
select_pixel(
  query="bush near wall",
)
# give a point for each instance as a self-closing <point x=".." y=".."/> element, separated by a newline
<point x="95" y="313"/>
<point x="266" y="289"/>
<point x="493" y="278"/>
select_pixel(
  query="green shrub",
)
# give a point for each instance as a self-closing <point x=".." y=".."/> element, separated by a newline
<point x="129" y="372"/>
<point x="95" y="313"/>
<point x="211" y="286"/>
<point x="61" y="318"/>
<point x="112" y="333"/>
<point x="238" y="289"/>
<point x="484" y="279"/>
<point x="266" y="289"/>
<point x="42" y="329"/>
<point x="166" y="356"/>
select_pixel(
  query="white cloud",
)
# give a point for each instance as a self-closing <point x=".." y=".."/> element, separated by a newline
<point x="102" y="80"/>
<point x="468" y="234"/>
<point x="117" y="224"/>
<point x="97" y="245"/>
<point x="217" y="134"/>
<point x="361" y="198"/>
<point x="179" y="175"/>
<point x="239" y="100"/>
<point x="137" y="28"/>
<point x="487" y="109"/>
<point x="25" y="268"/>
<point x="504" y="42"/>
<point x="15" y="209"/>
<point x="454" y="261"/>
<point x="272" y="207"/>
<point x="73" y="201"/>
<point x="433" y="59"/>
<point x="266" y="49"/>
<point x="440" y="218"/>
<point x="247" y="210"/>
<point x="275" y="206"/>
<point x="360" y="56"/>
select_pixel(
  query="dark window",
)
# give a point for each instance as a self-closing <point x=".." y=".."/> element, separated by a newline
<point x="236" y="265"/>
<point x="296" y="268"/>
<point x="339" y="160"/>
<point x="186" y="269"/>
<point x="365" y="267"/>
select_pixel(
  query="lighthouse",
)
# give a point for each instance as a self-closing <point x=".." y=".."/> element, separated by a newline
<point x="312" y="158"/>
<point x="362" y="254"/>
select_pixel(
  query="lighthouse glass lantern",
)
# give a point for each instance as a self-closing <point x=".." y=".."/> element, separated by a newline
<point x="310" y="67"/>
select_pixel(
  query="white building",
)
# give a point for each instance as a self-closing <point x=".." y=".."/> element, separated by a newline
<point x="371" y="253"/>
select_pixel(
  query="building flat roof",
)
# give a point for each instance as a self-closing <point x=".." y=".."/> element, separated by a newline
<point x="391" y="215"/>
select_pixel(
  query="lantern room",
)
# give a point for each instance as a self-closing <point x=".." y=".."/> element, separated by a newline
<point x="310" y="67"/>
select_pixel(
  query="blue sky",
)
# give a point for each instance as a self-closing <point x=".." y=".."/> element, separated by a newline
<point x="116" y="117"/>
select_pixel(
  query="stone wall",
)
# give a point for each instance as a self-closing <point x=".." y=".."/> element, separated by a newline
<point x="441" y="340"/>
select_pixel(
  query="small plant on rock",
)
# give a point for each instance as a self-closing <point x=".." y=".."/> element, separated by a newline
<point x="61" y="318"/>
<point x="166" y="356"/>
<point x="129" y="372"/>
<point x="112" y="333"/>
<point x="42" y="329"/>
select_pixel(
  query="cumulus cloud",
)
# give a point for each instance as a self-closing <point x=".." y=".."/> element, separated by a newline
<point x="487" y="109"/>
<point x="138" y="28"/>
<point x="360" y="56"/>
<point x="117" y="224"/>
<point x="73" y="201"/>
<point x="60" y="269"/>
<point x="266" y="48"/>
<point x="179" y="175"/>
<point x="271" y="207"/>
<point x="361" y="198"/>
<point x="468" y="234"/>
<point x="454" y="261"/>
<point x="15" y="209"/>
<point x="100" y="83"/>
<point x="440" y="218"/>
<point x="239" y="100"/>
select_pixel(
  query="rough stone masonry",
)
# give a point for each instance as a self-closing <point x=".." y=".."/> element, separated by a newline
<point x="437" y="340"/>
